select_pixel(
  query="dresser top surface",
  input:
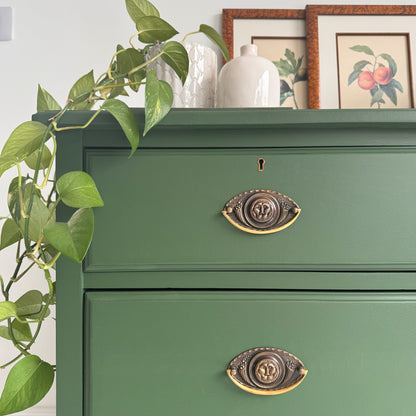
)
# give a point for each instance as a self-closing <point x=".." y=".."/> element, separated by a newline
<point x="227" y="118"/>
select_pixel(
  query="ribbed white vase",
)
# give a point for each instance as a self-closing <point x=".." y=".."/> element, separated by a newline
<point x="248" y="81"/>
<point x="200" y="85"/>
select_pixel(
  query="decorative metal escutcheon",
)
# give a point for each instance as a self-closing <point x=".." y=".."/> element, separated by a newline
<point x="266" y="371"/>
<point x="261" y="211"/>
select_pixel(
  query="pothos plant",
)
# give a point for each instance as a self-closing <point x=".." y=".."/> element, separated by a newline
<point x="33" y="197"/>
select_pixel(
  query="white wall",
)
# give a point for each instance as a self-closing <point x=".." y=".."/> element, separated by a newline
<point x="54" y="43"/>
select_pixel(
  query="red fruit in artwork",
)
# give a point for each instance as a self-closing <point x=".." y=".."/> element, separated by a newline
<point x="383" y="75"/>
<point x="366" y="80"/>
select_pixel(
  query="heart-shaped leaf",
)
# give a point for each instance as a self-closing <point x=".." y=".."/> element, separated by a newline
<point x="38" y="217"/>
<point x="72" y="238"/>
<point x="175" y="55"/>
<point x="77" y="189"/>
<point x="45" y="101"/>
<point x="154" y="29"/>
<point x="80" y="92"/>
<point x="129" y="59"/>
<point x="21" y="331"/>
<point x="212" y="34"/>
<point x="24" y="140"/>
<point x="6" y="162"/>
<point x="140" y="8"/>
<point x="30" y="303"/>
<point x="10" y="234"/>
<point x="28" y="382"/>
<point x="46" y="158"/>
<point x="7" y="310"/>
<point x="159" y="99"/>
<point x="122" y="113"/>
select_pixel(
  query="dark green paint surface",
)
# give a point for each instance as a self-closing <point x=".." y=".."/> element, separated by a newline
<point x="164" y="352"/>
<point x="357" y="209"/>
<point x="156" y="353"/>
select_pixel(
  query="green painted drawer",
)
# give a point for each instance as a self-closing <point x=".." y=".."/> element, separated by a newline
<point x="163" y="209"/>
<point x="165" y="353"/>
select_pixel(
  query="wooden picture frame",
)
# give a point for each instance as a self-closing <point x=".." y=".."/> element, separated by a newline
<point x="274" y="31"/>
<point x="325" y="25"/>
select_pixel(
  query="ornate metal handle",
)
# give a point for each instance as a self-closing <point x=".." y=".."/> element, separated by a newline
<point x="266" y="371"/>
<point x="261" y="211"/>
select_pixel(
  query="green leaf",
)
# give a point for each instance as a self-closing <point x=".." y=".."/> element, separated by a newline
<point x="127" y="60"/>
<point x="21" y="331"/>
<point x="212" y="34"/>
<point x="6" y="162"/>
<point x="390" y="91"/>
<point x="10" y="234"/>
<point x="27" y="383"/>
<point x="72" y="238"/>
<point x="38" y="216"/>
<point x="30" y="303"/>
<point x="13" y="200"/>
<point x="353" y="76"/>
<point x="362" y="48"/>
<point x="154" y="29"/>
<point x="396" y="84"/>
<point x="45" y="161"/>
<point x="159" y="99"/>
<point x="285" y="96"/>
<point x="140" y="8"/>
<point x="80" y="92"/>
<point x="290" y="55"/>
<point x="391" y="62"/>
<point x="45" y="101"/>
<point x="301" y="75"/>
<point x="37" y="316"/>
<point x="24" y="140"/>
<point x="284" y="68"/>
<point x="175" y="55"/>
<point x="376" y="95"/>
<point x="123" y="114"/>
<point x="359" y="66"/>
<point x="7" y="310"/>
<point x="77" y="189"/>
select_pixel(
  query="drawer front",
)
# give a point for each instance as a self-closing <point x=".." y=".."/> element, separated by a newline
<point x="157" y="353"/>
<point x="163" y="209"/>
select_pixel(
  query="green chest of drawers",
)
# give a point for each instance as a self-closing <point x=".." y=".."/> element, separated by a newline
<point x="171" y="291"/>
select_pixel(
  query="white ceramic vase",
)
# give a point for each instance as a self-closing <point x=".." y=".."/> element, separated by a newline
<point x="200" y="85"/>
<point x="248" y="81"/>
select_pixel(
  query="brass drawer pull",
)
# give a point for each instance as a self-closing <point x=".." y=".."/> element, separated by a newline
<point x="261" y="211"/>
<point x="266" y="371"/>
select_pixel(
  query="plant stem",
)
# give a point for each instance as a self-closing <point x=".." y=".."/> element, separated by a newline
<point x="10" y="362"/>
<point x="189" y="34"/>
<point x="56" y="128"/>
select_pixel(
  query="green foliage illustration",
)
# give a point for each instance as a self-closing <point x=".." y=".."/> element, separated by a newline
<point x="291" y="72"/>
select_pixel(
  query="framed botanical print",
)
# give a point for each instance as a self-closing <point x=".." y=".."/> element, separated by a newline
<point x="280" y="37"/>
<point x="361" y="56"/>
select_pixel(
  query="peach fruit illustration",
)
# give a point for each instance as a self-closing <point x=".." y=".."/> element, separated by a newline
<point x="383" y="75"/>
<point x="366" y="80"/>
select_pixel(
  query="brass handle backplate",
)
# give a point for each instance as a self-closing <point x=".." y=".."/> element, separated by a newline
<point x="261" y="211"/>
<point x="266" y="371"/>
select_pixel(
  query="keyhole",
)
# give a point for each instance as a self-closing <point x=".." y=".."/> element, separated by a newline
<point x="261" y="162"/>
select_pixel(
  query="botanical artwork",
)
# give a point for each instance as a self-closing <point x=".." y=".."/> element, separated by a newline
<point x="289" y="56"/>
<point x="374" y="71"/>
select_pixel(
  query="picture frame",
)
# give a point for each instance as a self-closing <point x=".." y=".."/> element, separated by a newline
<point x="341" y="38"/>
<point x="274" y="31"/>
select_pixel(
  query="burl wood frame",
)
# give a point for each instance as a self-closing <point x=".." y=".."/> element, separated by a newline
<point x="312" y="38"/>
<point x="228" y="16"/>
